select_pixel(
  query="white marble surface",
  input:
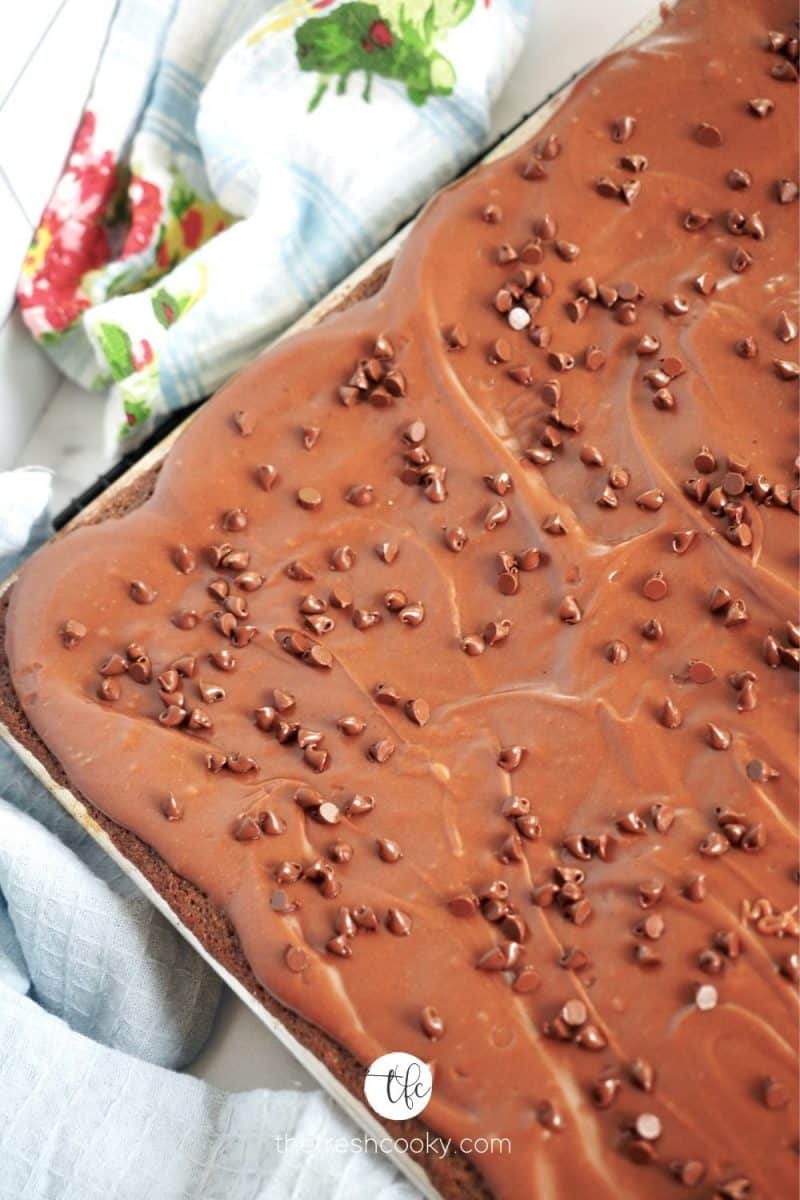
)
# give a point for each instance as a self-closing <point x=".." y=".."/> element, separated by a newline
<point x="49" y="51"/>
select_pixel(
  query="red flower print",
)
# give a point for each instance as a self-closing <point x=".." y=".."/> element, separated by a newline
<point x="192" y="226"/>
<point x="380" y="35"/>
<point x="142" y="355"/>
<point x="146" y="209"/>
<point x="71" y="238"/>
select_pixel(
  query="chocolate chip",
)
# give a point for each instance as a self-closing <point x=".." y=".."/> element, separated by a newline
<point x="296" y="959"/>
<point x="388" y="850"/>
<point x="683" y="540"/>
<point x="604" y="1092"/>
<point x="738" y="179"/>
<point x="784" y="71"/>
<point x="271" y="823"/>
<point x="648" y="344"/>
<point x="381" y="751"/>
<point x="72" y="633"/>
<point x="708" y="135"/>
<point x="171" y="809"/>
<point x="650" y="893"/>
<point x="670" y="715"/>
<point x="142" y="593"/>
<point x="616" y="652"/>
<point x="526" y="980"/>
<point x="704" y="284"/>
<point x="241" y="764"/>
<point x="309" y="498"/>
<point x="500" y="957"/>
<point x="623" y="128"/>
<point x="786" y="190"/>
<point x="245" y="422"/>
<point x="785" y="369"/>
<point x="510" y="757"/>
<point x="607" y="187"/>
<point x="569" y="611"/>
<point x="701" y="672"/>
<point x="655" y="587"/>
<point x="141" y="669"/>
<point x="398" y="922"/>
<point x="455" y="337"/>
<point x="567" y="250"/>
<point x="690" y="1172"/>
<point x="740" y="260"/>
<point x="643" y="1074"/>
<point x="696" y="218"/>
<point x="717" y="738"/>
<point x="785" y="328"/>
<point x="553" y="525"/>
<point x="760" y="106"/>
<point x="417" y="711"/>
<point x="246" y="829"/>
<point x="774" y="1094"/>
<point x="676" y="305"/>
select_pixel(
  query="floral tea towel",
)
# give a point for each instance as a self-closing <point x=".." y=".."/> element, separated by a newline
<point x="236" y="160"/>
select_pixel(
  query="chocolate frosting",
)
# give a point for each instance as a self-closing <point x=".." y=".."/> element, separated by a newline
<point x="527" y="518"/>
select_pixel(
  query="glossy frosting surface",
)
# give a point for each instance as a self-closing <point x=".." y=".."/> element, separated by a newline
<point x="614" y="645"/>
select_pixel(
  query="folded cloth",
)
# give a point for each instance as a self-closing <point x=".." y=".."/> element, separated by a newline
<point x="235" y="161"/>
<point x="96" y="988"/>
<point x="79" y="1121"/>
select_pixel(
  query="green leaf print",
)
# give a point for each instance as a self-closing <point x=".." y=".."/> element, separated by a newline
<point x="165" y="308"/>
<point x="116" y="346"/>
<point x="394" y="39"/>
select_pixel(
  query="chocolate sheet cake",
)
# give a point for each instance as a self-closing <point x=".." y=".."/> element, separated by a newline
<point x="446" y="683"/>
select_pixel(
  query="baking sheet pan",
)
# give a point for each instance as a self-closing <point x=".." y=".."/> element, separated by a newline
<point x="358" y="1111"/>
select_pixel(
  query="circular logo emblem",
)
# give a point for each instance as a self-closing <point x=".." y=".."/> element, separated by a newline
<point x="398" y="1086"/>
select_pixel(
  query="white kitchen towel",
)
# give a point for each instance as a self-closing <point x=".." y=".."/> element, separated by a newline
<point x="81" y="1122"/>
<point x="237" y="159"/>
<point x="96" y="988"/>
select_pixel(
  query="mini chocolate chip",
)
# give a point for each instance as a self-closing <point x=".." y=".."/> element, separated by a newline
<point x="142" y="593"/>
<point x="708" y="135"/>
<point x="417" y="711"/>
<point x="690" y="1172"/>
<point x="760" y="106"/>
<point x="171" y="809"/>
<point x="388" y="850"/>
<point x="431" y="1023"/>
<point x="309" y="498"/>
<point x="655" y="586"/>
<point x="623" y="128"/>
<point x="398" y="922"/>
<point x="296" y="959"/>
<point x="617" y="652"/>
<point x="643" y="1074"/>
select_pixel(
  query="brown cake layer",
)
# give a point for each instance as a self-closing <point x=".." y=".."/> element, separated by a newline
<point x="454" y="656"/>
